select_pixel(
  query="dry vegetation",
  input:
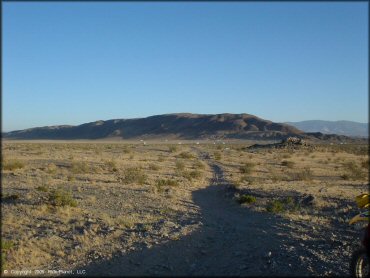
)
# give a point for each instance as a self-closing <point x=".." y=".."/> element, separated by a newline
<point x="73" y="203"/>
<point x="317" y="185"/>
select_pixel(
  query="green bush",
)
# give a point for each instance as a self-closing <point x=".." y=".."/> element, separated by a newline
<point x="61" y="198"/>
<point x="134" y="175"/>
<point x="247" y="167"/>
<point x="166" y="182"/>
<point x="199" y="165"/>
<point x="217" y="156"/>
<point x="275" y="206"/>
<point x="305" y="175"/>
<point x="172" y="148"/>
<point x="42" y="188"/>
<point x="246" y="199"/>
<point x="180" y="165"/>
<point x="154" y="167"/>
<point x="12" y="165"/>
<point x="191" y="174"/>
<point x="6" y="245"/>
<point x="186" y="155"/>
<point x="112" y="165"/>
<point x="80" y="167"/>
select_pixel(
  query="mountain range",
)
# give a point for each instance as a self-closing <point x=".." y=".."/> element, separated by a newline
<point x="348" y="128"/>
<point x="173" y="126"/>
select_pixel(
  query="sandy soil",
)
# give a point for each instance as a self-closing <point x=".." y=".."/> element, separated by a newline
<point x="135" y="222"/>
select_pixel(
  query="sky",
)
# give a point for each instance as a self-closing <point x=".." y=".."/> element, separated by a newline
<point x="72" y="63"/>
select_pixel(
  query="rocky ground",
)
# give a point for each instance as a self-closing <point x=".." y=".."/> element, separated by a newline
<point x="126" y="225"/>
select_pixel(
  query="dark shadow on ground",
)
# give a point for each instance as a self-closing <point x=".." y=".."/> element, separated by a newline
<point x="233" y="241"/>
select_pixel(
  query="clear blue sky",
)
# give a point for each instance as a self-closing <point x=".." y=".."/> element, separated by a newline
<point x="71" y="63"/>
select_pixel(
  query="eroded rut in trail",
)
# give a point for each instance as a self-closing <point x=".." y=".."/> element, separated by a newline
<point x="231" y="241"/>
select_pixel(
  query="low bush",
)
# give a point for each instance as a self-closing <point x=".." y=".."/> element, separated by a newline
<point x="180" y="165"/>
<point x="6" y="246"/>
<point x="249" y="199"/>
<point x="172" y="149"/>
<point x="247" y="167"/>
<point x="134" y="175"/>
<point x="353" y="171"/>
<point x="304" y="175"/>
<point x="42" y="188"/>
<point x="166" y="182"/>
<point x="61" y="198"/>
<point x="80" y="167"/>
<point x="191" y="174"/>
<point x="12" y="165"/>
<point x="186" y="155"/>
<point x="275" y="206"/>
<point x="217" y="156"/>
<point x="287" y="163"/>
<point x="112" y="165"/>
<point x="199" y="165"/>
<point x="10" y="197"/>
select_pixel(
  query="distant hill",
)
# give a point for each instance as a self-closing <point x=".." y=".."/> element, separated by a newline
<point x="174" y="126"/>
<point x="348" y="128"/>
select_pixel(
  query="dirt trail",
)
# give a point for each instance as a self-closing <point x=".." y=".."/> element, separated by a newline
<point x="231" y="241"/>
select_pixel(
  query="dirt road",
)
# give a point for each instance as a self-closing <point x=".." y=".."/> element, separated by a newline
<point x="232" y="240"/>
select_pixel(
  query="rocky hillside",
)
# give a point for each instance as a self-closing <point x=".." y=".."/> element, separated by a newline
<point x="171" y="126"/>
<point x="177" y="126"/>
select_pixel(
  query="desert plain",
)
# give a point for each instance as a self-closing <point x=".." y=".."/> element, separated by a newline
<point x="165" y="208"/>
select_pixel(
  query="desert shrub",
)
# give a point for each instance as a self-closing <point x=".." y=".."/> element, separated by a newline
<point x="112" y="165"/>
<point x="80" y="167"/>
<point x="180" y="165"/>
<point x="365" y="164"/>
<point x="305" y="175"/>
<point x="290" y="203"/>
<point x="247" y="167"/>
<point x="249" y="199"/>
<point x="353" y="171"/>
<point x="153" y="167"/>
<point x="199" y="165"/>
<point x="134" y="175"/>
<point x="51" y="168"/>
<point x="186" y="155"/>
<point x="288" y="163"/>
<point x="275" y="206"/>
<point x="191" y="174"/>
<point x="166" y="182"/>
<point x="219" y="147"/>
<point x="125" y="222"/>
<point x="172" y="148"/>
<point x="42" y="188"/>
<point x="12" y="165"/>
<point x="61" y="198"/>
<point x="6" y="245"/>
<point x="217" y="156"/>
<point x="10" y="197"/>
